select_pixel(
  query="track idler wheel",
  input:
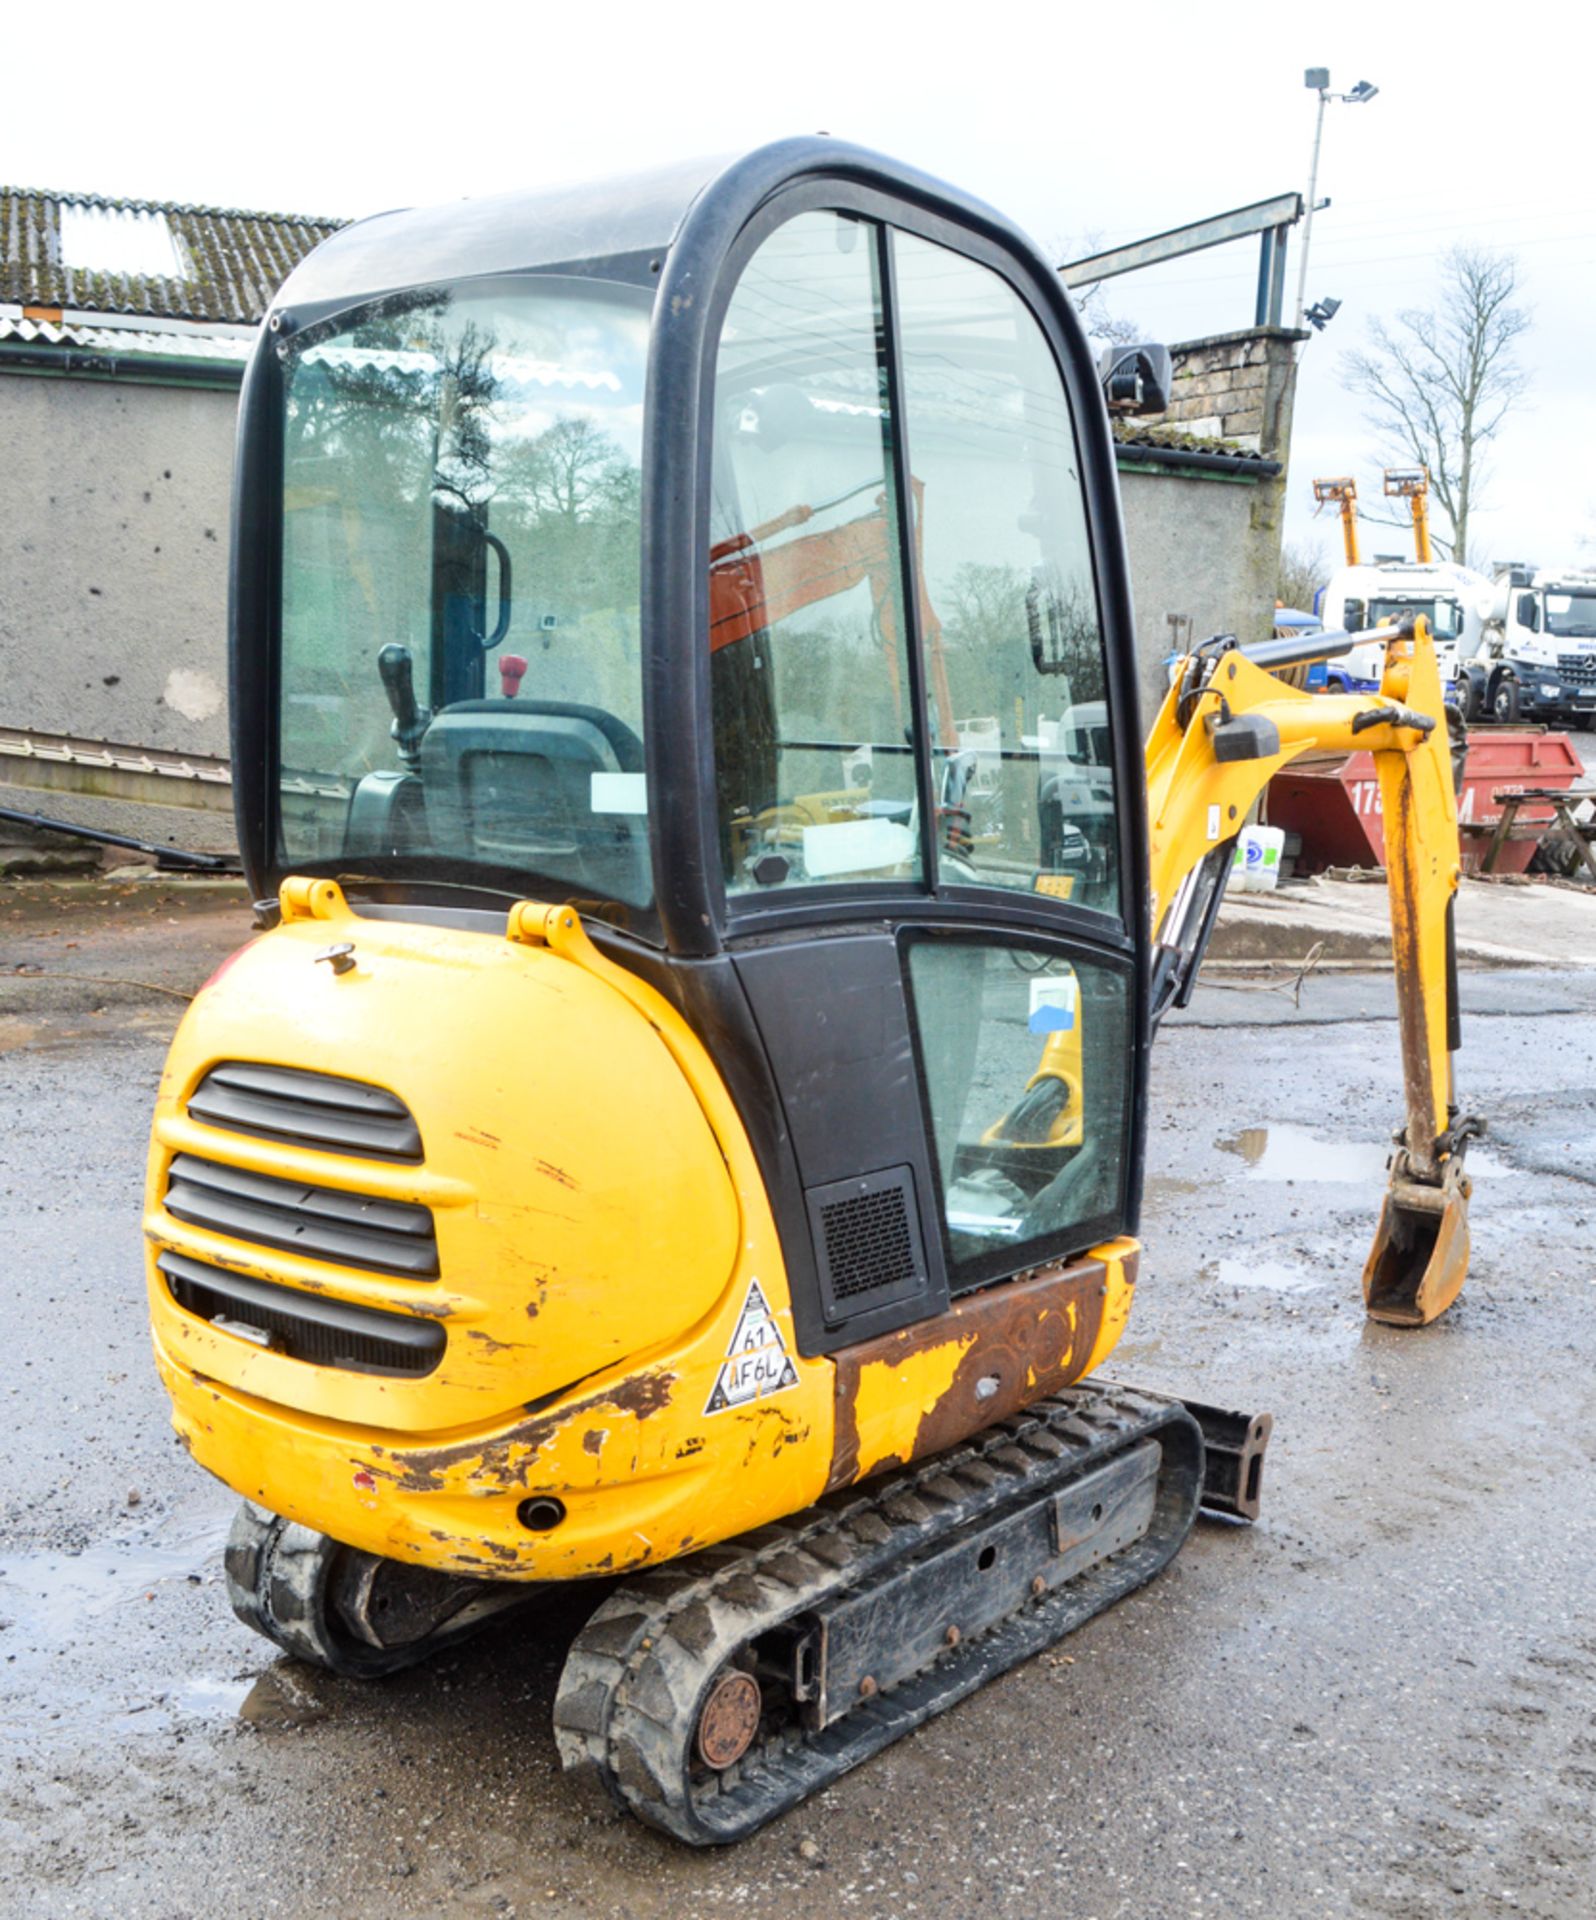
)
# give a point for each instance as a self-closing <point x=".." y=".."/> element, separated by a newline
<point x="729" y="1719"/>
<point x="349" y="1612"/>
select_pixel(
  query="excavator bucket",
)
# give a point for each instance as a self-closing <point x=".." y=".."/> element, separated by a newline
<point x="1420" y="1255"/>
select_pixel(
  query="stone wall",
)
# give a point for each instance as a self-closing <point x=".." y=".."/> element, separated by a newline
<point x="1235" y="386"/>
<point x="1205" y="546"/>
<point x="113" y="579"/>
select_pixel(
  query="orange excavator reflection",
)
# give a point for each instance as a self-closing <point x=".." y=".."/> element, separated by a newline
<point x="752" y="587"/>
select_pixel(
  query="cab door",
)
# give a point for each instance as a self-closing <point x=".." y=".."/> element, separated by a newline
<point x="929" y="848"/>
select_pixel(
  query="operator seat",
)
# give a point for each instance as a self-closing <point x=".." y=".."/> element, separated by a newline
<point x="511" y="780"/>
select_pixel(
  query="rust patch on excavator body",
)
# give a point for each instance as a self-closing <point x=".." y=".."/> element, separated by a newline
<point x="506" y="1459"/>
<point x="1015" y="1343"/>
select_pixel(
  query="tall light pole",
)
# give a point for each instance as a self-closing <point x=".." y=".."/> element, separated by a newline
<point x="1318" y="78"/>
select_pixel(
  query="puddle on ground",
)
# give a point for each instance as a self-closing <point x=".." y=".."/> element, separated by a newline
<point x="53" y="1597"/>
<point x="1138" y="1349"/>
<point x="1272" y="1275"/>
<point x="1284" y="1152"/>
<point x="210" y="1694"/>
<point x="1165" y="1187"/>
<point x="278" y="1700"/>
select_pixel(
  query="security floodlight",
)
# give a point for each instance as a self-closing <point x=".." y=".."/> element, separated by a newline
<point x="1361" y="92"/>
<point x="1321" y="313"/>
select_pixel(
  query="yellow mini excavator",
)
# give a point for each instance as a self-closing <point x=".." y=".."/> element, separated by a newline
<point x="680" y="1126"/>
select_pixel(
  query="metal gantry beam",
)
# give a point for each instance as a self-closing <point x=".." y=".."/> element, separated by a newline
<point x="1272" y="219"/>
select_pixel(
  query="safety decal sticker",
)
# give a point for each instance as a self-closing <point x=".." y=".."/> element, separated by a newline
<point x="757" y="1362"/>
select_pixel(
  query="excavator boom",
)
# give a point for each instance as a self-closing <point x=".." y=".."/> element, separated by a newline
<point x="1226" y="727"/>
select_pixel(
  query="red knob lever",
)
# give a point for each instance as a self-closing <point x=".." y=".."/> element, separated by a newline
<point x="511" y="668"/>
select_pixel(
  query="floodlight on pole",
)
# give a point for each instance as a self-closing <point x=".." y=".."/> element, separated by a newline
<point x="1317" y="79"/>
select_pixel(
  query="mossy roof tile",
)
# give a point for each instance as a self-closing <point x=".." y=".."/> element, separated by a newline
<point x="235" y="259"/>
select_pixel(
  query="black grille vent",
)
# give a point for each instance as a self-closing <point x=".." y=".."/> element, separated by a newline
<point x="867" y="1241"/>
<point x="354" y="1229"/>
<point x="325" y="1333"/>
<point x="1578" y="667"/>
<point x="313" y="1109"/>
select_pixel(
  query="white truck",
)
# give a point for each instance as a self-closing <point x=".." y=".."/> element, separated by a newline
<point x="1538" y="658"/>
<point x="1448" y="596"/>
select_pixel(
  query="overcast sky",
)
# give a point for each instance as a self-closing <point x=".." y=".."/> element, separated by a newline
<point x="1083" y="124"/>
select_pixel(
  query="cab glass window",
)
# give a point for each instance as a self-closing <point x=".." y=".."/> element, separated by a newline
<point x="813" y="714"/>
<point x="1023" y="1057"/>
<point x="1009" y="616"/>
<point x="1444" y="615"/>
<point x="461" y="680"/>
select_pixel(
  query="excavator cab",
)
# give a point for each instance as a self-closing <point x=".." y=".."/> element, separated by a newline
<point x="682" y="1120"/>
<point x="739" y="564"/>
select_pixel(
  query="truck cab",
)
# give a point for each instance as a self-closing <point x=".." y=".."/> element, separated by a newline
<point x="1538" y="660"/>
<point x="1390" y="590"/>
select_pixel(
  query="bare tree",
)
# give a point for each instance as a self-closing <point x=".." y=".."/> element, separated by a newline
<point x="570" y="471"/>
<point x="1442" y="381"/>
<point x="1303" y="571"/>
<point x="1091" y="303"/>
<point x="1113" y="329"/>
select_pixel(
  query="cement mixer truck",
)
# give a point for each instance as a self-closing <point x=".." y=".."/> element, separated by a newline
<point x="1359" y="597"/>
<point x="1537" y="660"/>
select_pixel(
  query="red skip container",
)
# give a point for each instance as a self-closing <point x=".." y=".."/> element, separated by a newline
<point x="1333" y="799"/>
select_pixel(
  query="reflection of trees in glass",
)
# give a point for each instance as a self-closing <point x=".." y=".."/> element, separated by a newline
<point x="396" y="410"/>
<point x="381" y="421"/>
<point x="569" y="502"/>
<point x="464" y="387"/>
<point x="983" y="607"/>
<point x="1012" y="634"/>
<point x="406" y="437"/>
<point x="832" y="675"/>
<point x="1063" y="634"/>
<point x="571" y="471"/>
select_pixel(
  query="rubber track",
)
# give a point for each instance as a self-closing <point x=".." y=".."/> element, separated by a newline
<point x="638" y="1673"/>
<point x="279" y="1576"/>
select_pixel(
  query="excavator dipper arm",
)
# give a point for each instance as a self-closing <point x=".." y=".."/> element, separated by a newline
<point x="1225" y="729"/>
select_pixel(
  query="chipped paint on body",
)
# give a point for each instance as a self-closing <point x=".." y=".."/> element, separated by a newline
<point x="912" y="1393"/>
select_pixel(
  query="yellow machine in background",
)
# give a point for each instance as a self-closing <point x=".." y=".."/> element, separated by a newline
<point x="678" y="1128"/>
<point x="1343" y="495"/>
<point x="1413" y="485"/>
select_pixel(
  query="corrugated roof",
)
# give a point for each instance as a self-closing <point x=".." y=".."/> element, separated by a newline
<point x="233" y="349"/>
<point x="234" y="260"/>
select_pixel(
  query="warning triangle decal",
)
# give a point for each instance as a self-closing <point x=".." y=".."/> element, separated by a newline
<point x="757" y="1362"/>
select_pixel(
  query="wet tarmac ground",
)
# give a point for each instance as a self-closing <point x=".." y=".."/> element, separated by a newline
<point x="1380" y="1702"/>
